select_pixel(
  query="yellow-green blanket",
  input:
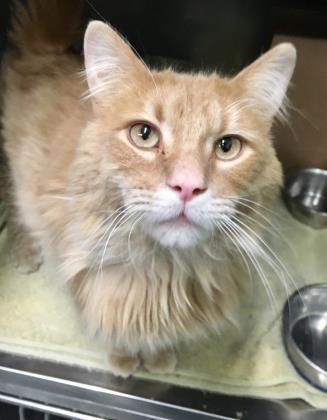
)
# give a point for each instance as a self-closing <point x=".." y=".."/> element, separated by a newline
<point x="38" y="318"/>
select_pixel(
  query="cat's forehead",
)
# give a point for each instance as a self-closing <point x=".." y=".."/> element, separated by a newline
<point x="188" y="103"/>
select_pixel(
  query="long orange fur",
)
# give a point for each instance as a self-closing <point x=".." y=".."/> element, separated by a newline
<point x="72" y="168"/>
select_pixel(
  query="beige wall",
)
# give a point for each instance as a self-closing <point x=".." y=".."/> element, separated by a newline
<point x="305" y="143"/>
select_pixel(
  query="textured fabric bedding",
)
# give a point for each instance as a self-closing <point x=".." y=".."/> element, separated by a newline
<point x="38" y="319"/>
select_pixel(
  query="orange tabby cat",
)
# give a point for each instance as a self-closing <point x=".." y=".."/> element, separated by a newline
<point x="134" y="182"/>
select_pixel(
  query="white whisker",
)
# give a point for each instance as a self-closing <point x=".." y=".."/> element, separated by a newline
<point x="243" y="241"/>
<point x="233" y="238"/>
<point x="278" y="270"/>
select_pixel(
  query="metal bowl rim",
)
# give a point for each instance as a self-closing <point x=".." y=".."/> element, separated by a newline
<point x="296" y="173"/>
<point x="309" y="363"/>
<point x="289" y="180"/>
<point x="298" y="293"/>
<point x="322" y="214"/>
<point x="290" y="342"/>
<point x="288" y="338"/>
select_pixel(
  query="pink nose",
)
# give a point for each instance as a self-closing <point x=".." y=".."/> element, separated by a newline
<point x="187" y="185"/>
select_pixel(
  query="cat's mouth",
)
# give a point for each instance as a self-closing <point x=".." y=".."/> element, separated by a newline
<point x="179" y="220"/>
<point x="177" y="226"/>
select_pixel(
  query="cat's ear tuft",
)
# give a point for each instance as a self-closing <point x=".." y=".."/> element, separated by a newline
<point x="109" y="61"/>
<point x="266" y="80"/>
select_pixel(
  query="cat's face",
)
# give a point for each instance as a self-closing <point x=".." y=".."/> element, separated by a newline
<point x="181" y="149"/>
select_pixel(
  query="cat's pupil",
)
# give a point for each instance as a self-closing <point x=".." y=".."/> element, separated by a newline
<point x="226" y="144"/>
<point x="145" y="132"/>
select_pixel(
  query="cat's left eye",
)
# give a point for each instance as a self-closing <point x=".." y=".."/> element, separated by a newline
<point x="144" y="135"/>
<point x="228" y="148"/>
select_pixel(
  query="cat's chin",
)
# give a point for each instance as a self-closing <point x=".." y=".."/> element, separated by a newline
<point x="178" y="236"/>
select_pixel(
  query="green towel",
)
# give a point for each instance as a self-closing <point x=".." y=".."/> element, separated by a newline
<point x="38" y="318"/>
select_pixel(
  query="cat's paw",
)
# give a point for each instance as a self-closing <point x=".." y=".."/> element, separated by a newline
<point x="123" y="365"/>
<point x="162" y="362"/>
<point x="26" y="259"/>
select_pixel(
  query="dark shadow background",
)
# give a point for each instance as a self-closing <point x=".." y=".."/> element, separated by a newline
<point x="225" y="34"/>
<point x="221" y="34"/>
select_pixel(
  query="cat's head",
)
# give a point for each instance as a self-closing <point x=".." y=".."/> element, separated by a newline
<point x="176" y="151"/>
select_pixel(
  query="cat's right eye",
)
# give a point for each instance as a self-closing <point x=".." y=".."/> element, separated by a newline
<point x="144" y="135"/>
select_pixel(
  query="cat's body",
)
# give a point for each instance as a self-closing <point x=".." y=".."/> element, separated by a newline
<point x="148" y="265"/>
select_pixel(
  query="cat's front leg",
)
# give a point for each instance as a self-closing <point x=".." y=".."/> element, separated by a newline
<point x="25" y="250"/>
<point x="94" y="298"/>
<point x="122" y="363"/>
<point x="102" y="301"/>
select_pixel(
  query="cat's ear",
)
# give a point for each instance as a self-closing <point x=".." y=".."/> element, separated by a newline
<point x="266" y="80"/>
<point x="109" y="61"/>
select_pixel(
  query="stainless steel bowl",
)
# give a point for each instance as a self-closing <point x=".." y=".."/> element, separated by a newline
<point x="305" y="333"/>
<point x="305" y="194"/>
